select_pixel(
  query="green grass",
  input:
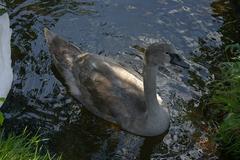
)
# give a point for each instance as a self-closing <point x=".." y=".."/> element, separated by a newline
<point x="226" y="91"/>
<point x="229" y="135"/>
<point x="226" y="102"/>
<point x="22" y="147"/>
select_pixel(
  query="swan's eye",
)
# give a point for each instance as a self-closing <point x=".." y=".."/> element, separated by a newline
<point x="169" y="53"/>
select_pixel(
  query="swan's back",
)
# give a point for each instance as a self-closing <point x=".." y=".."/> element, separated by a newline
<point x="6" y="75"/>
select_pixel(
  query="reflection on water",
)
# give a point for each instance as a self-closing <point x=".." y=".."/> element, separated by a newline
<point x="114" y="28"/>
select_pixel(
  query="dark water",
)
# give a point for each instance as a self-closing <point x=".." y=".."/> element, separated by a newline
<point x="112" y="28"/>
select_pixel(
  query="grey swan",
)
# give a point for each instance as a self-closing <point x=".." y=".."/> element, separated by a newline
<point x="111" y="91"/>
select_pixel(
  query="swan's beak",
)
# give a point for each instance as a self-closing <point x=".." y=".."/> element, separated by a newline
<point x="177" y="60"/>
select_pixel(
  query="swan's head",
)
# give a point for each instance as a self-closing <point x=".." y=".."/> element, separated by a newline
<point x="158" y="54"/>
<point x="162" y="54"/>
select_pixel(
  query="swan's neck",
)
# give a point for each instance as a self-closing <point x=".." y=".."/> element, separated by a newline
<point x="150" y="73"/>
<point x="157" y="116"/>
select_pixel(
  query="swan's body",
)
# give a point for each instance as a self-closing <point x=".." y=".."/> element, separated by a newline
<point x="111" y="91"/>
<point x="6" y="74"/>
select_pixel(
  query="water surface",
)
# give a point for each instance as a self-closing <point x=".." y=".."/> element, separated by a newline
<point x="114" y="29"/>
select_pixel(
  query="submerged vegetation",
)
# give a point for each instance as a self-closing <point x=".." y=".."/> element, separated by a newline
<point x="226" y="102"/>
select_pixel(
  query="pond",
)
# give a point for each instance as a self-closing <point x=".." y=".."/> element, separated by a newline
<point x="116" y="29"/>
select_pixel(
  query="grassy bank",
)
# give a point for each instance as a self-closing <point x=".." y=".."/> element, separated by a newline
<point x="225" y="101"/>
<point x="22" y="147"/>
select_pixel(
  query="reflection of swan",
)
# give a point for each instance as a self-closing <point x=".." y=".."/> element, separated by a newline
<point x="6" y="75"/>
<point x="109" y="90"/>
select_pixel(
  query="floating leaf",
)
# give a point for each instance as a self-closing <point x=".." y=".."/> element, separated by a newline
<point x="1" y="118"/>
<point x="2" y="11"/>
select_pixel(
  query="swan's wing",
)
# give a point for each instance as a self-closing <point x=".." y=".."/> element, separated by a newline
<point x="109" y="90"/>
